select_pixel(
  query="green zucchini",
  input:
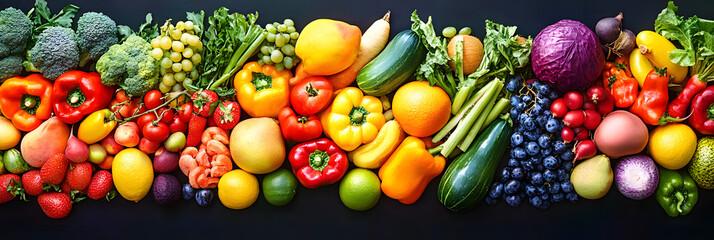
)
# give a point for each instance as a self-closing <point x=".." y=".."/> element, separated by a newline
<point x="393" y="66"/>
<point x="467" y="179"/>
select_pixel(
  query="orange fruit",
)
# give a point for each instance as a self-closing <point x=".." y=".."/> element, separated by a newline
<point x="420" y="109"/>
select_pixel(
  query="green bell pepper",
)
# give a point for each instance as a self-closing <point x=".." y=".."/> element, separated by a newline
<point x="677" y="192"/>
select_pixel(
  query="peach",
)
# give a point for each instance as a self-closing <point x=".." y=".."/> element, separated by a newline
<point x="111" y="145"/>
<point x="127" y="134"/>
<point x="46" y="140"/>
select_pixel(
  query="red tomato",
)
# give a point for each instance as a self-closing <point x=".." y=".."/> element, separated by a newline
<point x="156" y="133"/>
<point x="178" y="125"/>
<point x="145" y="119"/>
<point x="168" y="115"/>
<point x="152" y="99"/>
<point x="185" y="112"/>
<point x="311" y="95"/>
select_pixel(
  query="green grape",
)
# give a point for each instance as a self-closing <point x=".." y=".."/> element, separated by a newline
<point x="187" y="53"/>
<point x="288" y="22"/>
<point x="155" y="43"/>
<point x="260" y="54"/>
<point x="163" y="88"/>
<point x="169" y="80"/>
<point x="270" y="37"/>
<point x="199" y="46"/>
<point x="177" y="46"/>
<point x="157" y="53"/>
<point x="280" y="40"/>
<point x="164" y="71"/>
<point x="293" y="41"/>
<point x="449" y="32"/>
<point x="288" y="62"/>
<point x="288" y="50"/>
<point x="193" y="74"/>
<point x="276" y="24"/>
<point x="276" y="56"/>
<point x="270" y="28"/>
<point x="189" y="25"/>
<point x="184" y="38"/>
<point x="180" y="25"/>
<point x="294" y="35"/>
<point x="279" y="66"/>
<point x="264" y="49"/>
<point x="187" y="83"/>
<point x="167" y="54"/>
<point x="266" y="60"/>
<point x="179" y="77"/>
<point x="166" y="63"/>
<point x="176" y="67"/>
<point x="282" y="28"/>
<point x="175" y="56"/>
<point x="175" y="34"/>
<point x="193" y="41"/>
<point x="465" y="31"/>
<point x="291" y="29"/>
<point x="165" y="43"/>
<point x="186" y="65"/>
<point x="260" y="61"/>
<point x="196" y="58"/>
<point x="176" y="88"/>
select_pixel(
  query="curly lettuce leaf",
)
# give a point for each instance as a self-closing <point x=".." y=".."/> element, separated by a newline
<point x="695" y="37"/>
<point x="435" y="67"/>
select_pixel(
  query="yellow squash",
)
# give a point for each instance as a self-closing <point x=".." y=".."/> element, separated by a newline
<point x="656" y="48"/>
<point x="640" y="66"/>
<point x="373" y="154"/>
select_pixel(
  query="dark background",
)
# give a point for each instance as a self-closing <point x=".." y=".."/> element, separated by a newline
<point x="320" y="213"/>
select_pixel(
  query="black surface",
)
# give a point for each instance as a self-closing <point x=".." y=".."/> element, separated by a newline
<point x="320" y="213"/>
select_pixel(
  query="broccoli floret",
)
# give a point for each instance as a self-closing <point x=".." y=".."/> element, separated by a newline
<point x="130" y="66"/>
<point x="95" y="34"/>
<point x="15" y="32"/>
<point x="55" y="52"/>
<point x="10" y="66"/>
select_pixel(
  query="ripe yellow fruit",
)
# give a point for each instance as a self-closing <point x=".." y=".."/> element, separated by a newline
<point x="133" y="174"/>
<point x="327" y="46"/>
<point x="420" y="109"/>
<point x="238" y="189"/>
<point x="672" y="145"/>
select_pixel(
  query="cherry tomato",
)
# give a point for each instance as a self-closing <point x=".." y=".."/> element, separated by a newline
<point x="186" y="111"/>
<point x="145" y="119"/>
<point x="168" y="115"/>
<point x="152" y="99"/>
<point x="121" y="96"/>
<point x="178" y="125"/>
<point x="156" y="133"/>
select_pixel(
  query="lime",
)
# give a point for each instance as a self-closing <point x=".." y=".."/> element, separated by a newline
<point x="279" y="187"/>
<point x="359" y="189"/>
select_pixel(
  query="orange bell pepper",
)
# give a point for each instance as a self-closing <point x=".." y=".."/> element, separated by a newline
<point x="27" y="101"/>
<point x="262" y="90"/>
<point x="408" y="170"/>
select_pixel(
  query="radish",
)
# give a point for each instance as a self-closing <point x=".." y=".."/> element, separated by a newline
<point x="581" y="133"/>
<point x="592" y="119"/>
<point x="596" y="94"/>
<point x="585" y="149"/>
<point x="589" y="106"/>
<point x="567" y="134"/>
<point x="573" y="100"/>
<point x="606" y="106"/>
<point x="558" y="108"/>
<point x="636" y="176"/>
<point x="574" y="118"/>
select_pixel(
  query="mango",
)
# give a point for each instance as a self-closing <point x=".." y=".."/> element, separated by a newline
<point x="328" y="46"/>
<point x="46" y="140"/>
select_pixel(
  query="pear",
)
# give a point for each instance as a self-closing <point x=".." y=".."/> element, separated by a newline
<point x="593" y="177"/>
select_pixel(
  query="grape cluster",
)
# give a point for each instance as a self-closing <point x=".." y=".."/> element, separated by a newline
<point x="178" y="50"/>
<point x="539" y="164"/>
<point x="279" y="47"/>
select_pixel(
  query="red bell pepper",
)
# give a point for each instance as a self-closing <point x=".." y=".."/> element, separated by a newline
<point x="77" y="94"/>
<point x="618" y="79"/>
<point x="299" y="128"/>
<point x="702" y="118"/>
<point x="652" y="101"/>
<point x="318" y="162"/>
<point x="26" y="101"/>
<point x="311" y="95"/>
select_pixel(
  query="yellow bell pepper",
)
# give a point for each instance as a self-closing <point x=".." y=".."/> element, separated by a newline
<point x="656" y="48"/>
<point x="352" y="119"/>
<point x="410" y="168"/>
<point x="262" y="90"/>
<point x="373" y="154"/>
<point x="96" y="126"/>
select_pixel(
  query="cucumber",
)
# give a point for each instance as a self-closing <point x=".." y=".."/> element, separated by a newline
<point x="393" y="66"/>
<point x="467" y="179"/>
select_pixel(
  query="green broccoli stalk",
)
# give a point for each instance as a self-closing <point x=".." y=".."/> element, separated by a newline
<point x="15" y="32"/>
<point x="130" y="66"/>
<point x="55" y="52"/>
<point x="95" y="34"/>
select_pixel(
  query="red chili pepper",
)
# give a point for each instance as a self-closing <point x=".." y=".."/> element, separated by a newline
<point x="318" y="162"/>
<point x="702" y="118"/>
<point x="299" y="128"/>
<point x="652" y="101"/>
<point x="678" y="107"/>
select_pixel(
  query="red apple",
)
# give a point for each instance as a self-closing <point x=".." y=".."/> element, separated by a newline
<point x="127" y="134"/>
<point x="111" y="145"/>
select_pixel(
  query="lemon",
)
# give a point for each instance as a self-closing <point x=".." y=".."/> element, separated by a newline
<point x="238" y="189"/>
<point x="672" y="145"/>
<point x="360" y="189"/>
<point x="132" y="173"/>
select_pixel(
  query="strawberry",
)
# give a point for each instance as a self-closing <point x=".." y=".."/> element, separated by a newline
<point x="64" y="187"/>
<point x="55" y="204"/>
<point x="52" y="172"/>
<point x="32" y="183"/>
<point x="6" y="180"/>
<point x="79" y="175"/>
<point x="195" y="129"/>
<point x="204" y="102"/>
<point x="227" y="115"/>
<point x="101" y="186"/>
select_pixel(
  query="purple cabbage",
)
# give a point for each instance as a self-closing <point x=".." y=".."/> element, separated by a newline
<point x="567" y="56"/>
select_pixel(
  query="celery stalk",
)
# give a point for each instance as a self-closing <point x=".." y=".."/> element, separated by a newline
<point x="462" y="129"/>
<point x="473" y="132"/>
<point x="454" y="121"/>
<point x="500" y="107"/>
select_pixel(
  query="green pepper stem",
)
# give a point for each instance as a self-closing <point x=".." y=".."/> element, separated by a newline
<point x="680" y="201"/>
<point x="311" y="91"/>
<point x="318" y="160"/>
